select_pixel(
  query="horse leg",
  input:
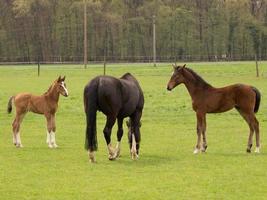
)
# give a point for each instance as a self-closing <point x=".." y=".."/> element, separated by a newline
<point x="119" y="136"/>
<point x="107" y="133"/>
<point x="135" y="136"/>
<point x="250" y="137"/>
<point x="49" y="130"/>
<point x="248" y="119"/>
<point x="200" y="118"/>
<point x="16" y="127"/>
<point x="254" y="127"/>
<point x="257" y="131"/>
<point x="53" y="132"/>
<point x="204" y="141"/>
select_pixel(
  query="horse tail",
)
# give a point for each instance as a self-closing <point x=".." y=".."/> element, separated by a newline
<point x="9" y="105"/>
<point x="258" y="99"/>
<point x="90" y="108"/>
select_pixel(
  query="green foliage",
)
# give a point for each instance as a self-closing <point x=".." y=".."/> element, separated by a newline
<point x="167" y="169"/>
<point x="122" y="30"/>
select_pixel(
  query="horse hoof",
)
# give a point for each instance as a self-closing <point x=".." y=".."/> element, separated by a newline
<point x="116" y="153"/>
<point x="91" y="157"/>
<point x="248" y="150"/>
<point x="50" y="146"/>
<point x="203" y="150"/>
<point x="112" y="156"/>
<point x="92" y="160"/>
<point x="257" y="150"/>
<point x="196" y="151"/>
<point x="55" y="145"/>
<point x="19" y="145"/>
<point x="134" y="156"/>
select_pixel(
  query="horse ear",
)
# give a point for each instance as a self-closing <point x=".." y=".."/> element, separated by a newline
<point x="59" y="78"/>
<point x="63" y="79"/>
<point x="184" y="65"/>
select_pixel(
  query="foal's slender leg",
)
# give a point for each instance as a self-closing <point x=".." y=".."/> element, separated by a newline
<point x="119" y="136"/>
<point x="200" y="119"/>
<point x="257" y="131"/>
<point x="204" y="142"/>
<point x="51" y="128"/>
<point x="250" y="137"/>
<point x="249" y="121"/>
<point x="53" y="132"/>
<point x="14" y="130"/>
<point x="16" y="127"/>
<point x="107" y="132"/>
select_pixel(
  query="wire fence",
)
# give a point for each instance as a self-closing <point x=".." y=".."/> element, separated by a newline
<point x="125" y="59"/>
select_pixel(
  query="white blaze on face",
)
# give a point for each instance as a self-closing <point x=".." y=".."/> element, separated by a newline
<point x="65" y="89"/>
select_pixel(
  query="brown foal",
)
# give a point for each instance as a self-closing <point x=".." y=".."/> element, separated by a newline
<point x="45" y="104"/>
<point x="208" y="99"/>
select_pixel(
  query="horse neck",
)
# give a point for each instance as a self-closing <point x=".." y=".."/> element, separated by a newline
<point x="53" y="94"/>
<point x="193" y="86"/>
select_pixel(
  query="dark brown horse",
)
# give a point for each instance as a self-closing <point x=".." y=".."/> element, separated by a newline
<point x="45" y="104"/>
<point x="208" y="99"/>
<point x="117" y="99"/>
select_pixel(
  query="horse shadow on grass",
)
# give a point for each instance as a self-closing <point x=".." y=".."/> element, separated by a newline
<point x="145" y="160"/>
<point x="238" y="154"/>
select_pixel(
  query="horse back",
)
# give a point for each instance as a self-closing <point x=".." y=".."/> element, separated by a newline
<point x="117" y="96"/>
<point x="28" y="102"/>
<point x="240" y="96"/>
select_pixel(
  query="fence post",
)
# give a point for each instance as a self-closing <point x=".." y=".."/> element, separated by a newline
<point x="154" y="40"/>
<point x="104" y="65"/>
<point x="85" y="33"/>
<point x="257" y="67"/>
<point x="38" y="65"/>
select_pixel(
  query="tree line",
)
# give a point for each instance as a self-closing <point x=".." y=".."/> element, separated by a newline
<point x="122" y="30"/>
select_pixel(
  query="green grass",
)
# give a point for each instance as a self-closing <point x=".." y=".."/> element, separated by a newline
<point x="167" y="169"/>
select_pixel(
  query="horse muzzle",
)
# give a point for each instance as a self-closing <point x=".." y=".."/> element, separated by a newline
<point x="169" y="88"/>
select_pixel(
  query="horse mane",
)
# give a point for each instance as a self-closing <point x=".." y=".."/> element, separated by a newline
<point x="199" y="80"/>
<point x="48" y="90"/>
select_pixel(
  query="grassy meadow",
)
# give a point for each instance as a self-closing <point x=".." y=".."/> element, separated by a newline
<point x="166" y="169"/>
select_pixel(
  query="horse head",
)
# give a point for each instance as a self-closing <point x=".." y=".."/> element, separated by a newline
<point x="177" y="77"/>
<point x="61" y="86"/>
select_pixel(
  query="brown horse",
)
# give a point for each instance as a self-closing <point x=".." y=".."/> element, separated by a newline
<point x="45" y="104"/>
<point x="208" y="99"/>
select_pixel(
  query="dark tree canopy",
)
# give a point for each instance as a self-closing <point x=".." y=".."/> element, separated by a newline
<point x="52" y="30"/>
